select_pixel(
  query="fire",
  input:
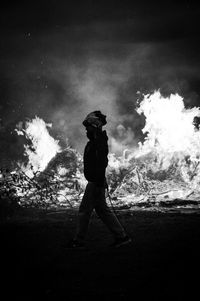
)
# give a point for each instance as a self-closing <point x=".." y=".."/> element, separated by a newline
<point x="169" y="126"/>
<point x="43" y="148"/>
<point x="171" y="134"/>
<point x="165" y="166"/>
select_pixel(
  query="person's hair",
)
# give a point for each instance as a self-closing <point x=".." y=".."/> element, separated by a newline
<point x="101" y="117"/>
<point x="95" y="118"/>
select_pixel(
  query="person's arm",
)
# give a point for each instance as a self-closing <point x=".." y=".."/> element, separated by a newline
<point x="102" y="159"/>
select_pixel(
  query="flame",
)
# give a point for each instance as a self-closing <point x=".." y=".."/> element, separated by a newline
<point x="43" y="148"/>
<point x="171" y="135"/>
<point x="117" y="163"/>
<point x="169" y="126"/>
<point x="165" y="165"/>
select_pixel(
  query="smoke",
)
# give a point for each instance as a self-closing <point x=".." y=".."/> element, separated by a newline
<point x="125" y="139"/>
<point x="61" y="75"/>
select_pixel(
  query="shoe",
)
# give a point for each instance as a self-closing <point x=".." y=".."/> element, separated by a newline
<point x="74" y="244"/>
<point x="121" y="242"/>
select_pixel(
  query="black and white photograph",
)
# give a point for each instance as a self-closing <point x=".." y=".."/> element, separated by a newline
<point x="100" y="150"/>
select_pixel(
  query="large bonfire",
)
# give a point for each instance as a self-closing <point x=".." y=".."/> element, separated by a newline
<point x="163" y="170"/>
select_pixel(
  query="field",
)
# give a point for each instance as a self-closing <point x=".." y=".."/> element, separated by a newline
<point x="162" y="262"/>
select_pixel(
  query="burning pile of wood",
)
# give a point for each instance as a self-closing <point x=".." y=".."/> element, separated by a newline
<point x="140" y="182"/>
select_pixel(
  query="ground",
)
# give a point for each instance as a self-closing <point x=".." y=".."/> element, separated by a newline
<point x="162" y="262"/>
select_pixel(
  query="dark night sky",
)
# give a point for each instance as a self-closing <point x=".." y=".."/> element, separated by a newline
<point x="61" y="59"/>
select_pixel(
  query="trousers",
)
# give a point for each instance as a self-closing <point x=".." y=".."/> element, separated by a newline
<point x="94" y="198"/>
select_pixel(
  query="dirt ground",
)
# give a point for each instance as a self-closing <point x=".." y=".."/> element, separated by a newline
<point x="162" y="262"/>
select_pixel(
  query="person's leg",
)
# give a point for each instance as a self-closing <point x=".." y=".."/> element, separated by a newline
<point x="85" y="210"/>
<point x="107" y="216"/>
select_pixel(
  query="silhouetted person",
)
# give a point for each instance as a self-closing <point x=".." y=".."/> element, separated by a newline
<point x="95" y="163"/>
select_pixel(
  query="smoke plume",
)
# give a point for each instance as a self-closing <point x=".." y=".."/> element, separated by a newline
<point x="62" y="74"/>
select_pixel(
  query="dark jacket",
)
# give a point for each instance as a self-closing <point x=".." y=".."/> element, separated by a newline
<point x="95" y="159"/>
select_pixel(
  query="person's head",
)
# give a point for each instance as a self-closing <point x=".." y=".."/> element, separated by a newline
<point x="92" y="131"/>
<point x="94" y="123"/>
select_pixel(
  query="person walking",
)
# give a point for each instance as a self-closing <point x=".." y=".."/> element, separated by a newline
<point x="95" y="163"/>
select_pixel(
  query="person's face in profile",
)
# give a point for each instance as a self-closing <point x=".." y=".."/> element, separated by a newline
<point x="90" y="131"/>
